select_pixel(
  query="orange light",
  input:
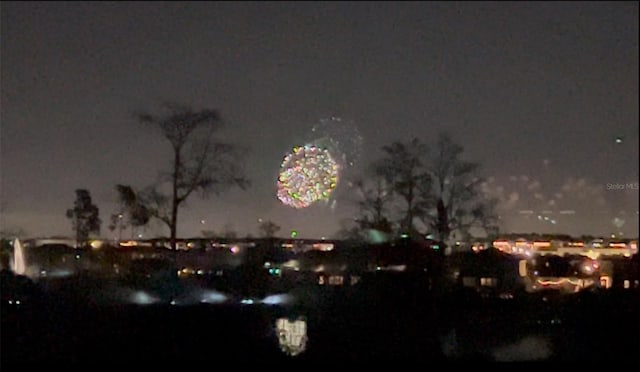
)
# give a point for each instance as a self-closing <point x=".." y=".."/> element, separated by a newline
<point x="501" y="243"/>
<point x="558" y="282"/>
<point x="617" y="245"/>
<point x="551" y="282"/>
<point x="542" y="244"/>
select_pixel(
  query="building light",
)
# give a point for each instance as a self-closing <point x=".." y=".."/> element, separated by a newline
<point x="325" y="247"/>
<point x="522" y="268"/>
<point x="540" y="244"/>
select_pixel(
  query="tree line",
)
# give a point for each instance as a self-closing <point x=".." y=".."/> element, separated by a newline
<point x="419" y="189"/>
<point x="412" y="189"/>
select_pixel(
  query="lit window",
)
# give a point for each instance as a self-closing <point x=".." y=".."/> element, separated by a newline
<point x="627" y="284"/>
<point x="488" y="282"/>
<point x="336" y="280"/>
<point x="321" y="280"/>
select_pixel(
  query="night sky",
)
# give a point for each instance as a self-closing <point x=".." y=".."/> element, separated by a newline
<point x="535" y="92"/>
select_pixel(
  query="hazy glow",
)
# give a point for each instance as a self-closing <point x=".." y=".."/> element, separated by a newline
<point x="61" y="273"/>
<point x="278" y="299"/>
<point x="212" y="297"/>
<point x="143" y="298"/>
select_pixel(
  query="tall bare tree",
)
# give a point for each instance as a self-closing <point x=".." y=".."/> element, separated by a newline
<point x="403" y="167"/>
<point x="458" y="203"/>
<point x="85" y="217"/>
<point x="201" y="163"/>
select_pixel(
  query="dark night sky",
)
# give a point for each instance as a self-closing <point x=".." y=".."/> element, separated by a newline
<point x="536" y="92"/>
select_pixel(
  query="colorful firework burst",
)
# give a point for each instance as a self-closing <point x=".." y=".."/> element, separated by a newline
<point x="307" y="174"/>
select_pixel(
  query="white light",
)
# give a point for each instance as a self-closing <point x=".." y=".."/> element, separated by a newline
<point x="246" y="301"/>
<point x="143" y="298"/>
<point x="17" y="302"/>
<point x="213" y="297"/>
<point x="397" y="267"/>
<point x="278" y="299"/>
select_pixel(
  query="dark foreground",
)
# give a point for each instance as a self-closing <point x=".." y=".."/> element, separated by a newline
<point x="380" y="324"/>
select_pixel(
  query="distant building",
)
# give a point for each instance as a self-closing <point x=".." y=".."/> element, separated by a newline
<point x="490" y="271"/>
